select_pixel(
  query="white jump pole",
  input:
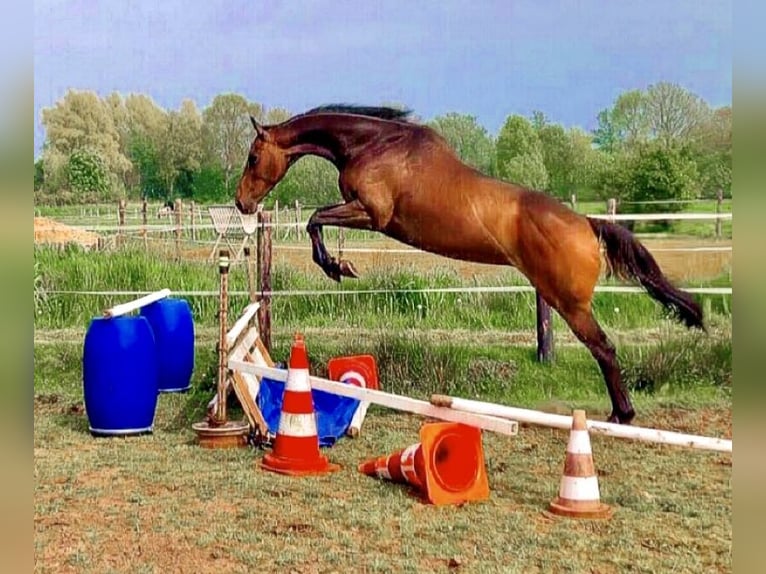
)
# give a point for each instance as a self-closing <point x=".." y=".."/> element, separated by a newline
<point x="565" y="422"/>
<point x="125" y="308"/>
<point x="242" y="322"/>
<point x="397" y="402"/>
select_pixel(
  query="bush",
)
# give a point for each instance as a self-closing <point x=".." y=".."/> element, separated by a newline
<point x="87" y="175"/>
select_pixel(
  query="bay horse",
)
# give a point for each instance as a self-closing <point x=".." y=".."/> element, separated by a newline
<point x="402" y="179"/>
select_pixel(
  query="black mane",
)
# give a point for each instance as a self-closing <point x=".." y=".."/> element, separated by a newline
<point x="382" y="112"/>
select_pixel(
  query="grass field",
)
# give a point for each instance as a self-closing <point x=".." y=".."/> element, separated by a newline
<point x="159" y="503"/>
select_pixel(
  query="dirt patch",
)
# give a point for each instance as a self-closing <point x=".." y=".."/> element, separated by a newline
<point x="49" y="231"/>
<point x="680" y="258"/>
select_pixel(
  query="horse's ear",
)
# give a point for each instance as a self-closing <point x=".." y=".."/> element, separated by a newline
<point x="257" y="126"/>
<point x="260" y="130"/>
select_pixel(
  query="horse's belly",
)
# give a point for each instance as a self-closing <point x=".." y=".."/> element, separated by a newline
<point x="454" y="240"/>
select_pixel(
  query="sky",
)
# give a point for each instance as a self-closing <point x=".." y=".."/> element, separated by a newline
<point x="488" y="59"/>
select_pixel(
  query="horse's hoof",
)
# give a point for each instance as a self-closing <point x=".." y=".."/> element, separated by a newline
<point x="347" y="269"/>
<point x="622" y="418"/>
<point x="332" y="270"/>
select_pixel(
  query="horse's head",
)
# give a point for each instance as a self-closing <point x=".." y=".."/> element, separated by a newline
<point x="266" y="165"/>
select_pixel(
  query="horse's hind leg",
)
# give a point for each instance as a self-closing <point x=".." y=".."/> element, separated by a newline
<point x="587" y="330"/>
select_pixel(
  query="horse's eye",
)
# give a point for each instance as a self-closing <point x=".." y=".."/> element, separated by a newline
<point x="252" y="159"/>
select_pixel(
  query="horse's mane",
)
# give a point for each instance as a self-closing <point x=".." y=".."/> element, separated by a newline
<point x="382" y="112"/>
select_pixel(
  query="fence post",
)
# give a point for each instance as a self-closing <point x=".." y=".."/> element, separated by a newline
<point x="121" y="221"/>
<point x="297" y="219"/>
<point x="718" y="210"/>
<point x="143" y="222"/>
<point x="611" y="207"/>
<point x="219" y="416"/>
<point x="276" y="216"/>
<point x="178" y="213"/>
<point x="573" y="201"/>
<point x="341" y="242"/>
<point x="544" y="330"/>
<point x="193" y="231"/>
<point x="250" y="274"/>
<point x="264" y="277"/>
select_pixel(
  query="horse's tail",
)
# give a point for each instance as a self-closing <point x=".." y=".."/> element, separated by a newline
<point x="629" y="259"/>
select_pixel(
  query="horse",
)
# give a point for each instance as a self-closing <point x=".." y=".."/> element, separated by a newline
<point x="166" y="210"/>
<point x="402" y="179"/>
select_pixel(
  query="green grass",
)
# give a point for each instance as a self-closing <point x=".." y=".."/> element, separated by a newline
<point x="135" y="270"/>
<point x="159" y="502"/>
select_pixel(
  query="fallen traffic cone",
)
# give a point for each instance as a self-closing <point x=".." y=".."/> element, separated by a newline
<point x="358" y="370"/>
<point x="578" y="492"/>
<point x="446" y="466"/>
<point x="296" y="446"/>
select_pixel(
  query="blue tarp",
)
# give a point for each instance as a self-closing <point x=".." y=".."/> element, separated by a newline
<point x="333" y="413"/>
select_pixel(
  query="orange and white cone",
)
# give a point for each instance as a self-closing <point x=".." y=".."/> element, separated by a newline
<point x="578" y="491"/>
<point x="296" y="446"/>
<point x="446" y="466"/>
<point x="358" y="370"/>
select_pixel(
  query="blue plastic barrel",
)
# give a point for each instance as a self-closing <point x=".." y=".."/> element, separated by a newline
<point x="173" y="326"/>
<point x="120" y="376"/>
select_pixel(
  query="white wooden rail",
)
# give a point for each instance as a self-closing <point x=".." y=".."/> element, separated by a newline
<point x="598" y="427"/>
<point x="397" y="402"/>
<point x="241" y="324"/>
<point x="125" y="308"/>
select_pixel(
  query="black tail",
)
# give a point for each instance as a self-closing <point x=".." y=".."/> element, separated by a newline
<point x="628" y="259"/>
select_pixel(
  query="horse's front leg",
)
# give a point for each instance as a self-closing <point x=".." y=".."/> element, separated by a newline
<point x="351" y="215"/>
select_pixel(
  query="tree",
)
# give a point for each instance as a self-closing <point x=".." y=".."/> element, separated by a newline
<point x="88" y="176"/>
<point x="146" y="164"/>
<point x="227" y="133"/>
<point x="674" y="114"/>
<point x="145" y="117"/>
<point x="625" y="124"/>
<point x="520" y="155"/>
<point x="276" y="116"/>
<point x="209" y="186"/>
<point x="558" y="156"/>
<point x="527" y="169"/>
<point x="713" y="151"/>
<point x="470" y="141"/>
<point x="662" y="173"/>
<point x="146" y="127"/>
<point x="517" y="137"/>
<point x="311" y="180"/>
<point x="181" y="145"/>
<point x="82" y="121"/>
<point x="39" y="174"/>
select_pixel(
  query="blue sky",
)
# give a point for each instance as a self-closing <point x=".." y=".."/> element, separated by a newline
<point x="488" y="59"/>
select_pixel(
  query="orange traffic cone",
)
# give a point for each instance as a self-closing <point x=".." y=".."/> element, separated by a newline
<point x="358" y="370"/>
<point x="296" y="446"/>
<point x="578" y="492"/>
<point x="446" y="466"/>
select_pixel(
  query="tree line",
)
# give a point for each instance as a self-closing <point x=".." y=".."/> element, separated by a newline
<point x="661" y="143"/>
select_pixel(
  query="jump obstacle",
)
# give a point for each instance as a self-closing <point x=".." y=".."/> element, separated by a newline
<point x="490" y="416"/>
<point x="390" y="400"/>
<point x="241" y="342"/>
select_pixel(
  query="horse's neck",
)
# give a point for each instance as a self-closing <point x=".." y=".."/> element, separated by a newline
<point x="325" y="137"/>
